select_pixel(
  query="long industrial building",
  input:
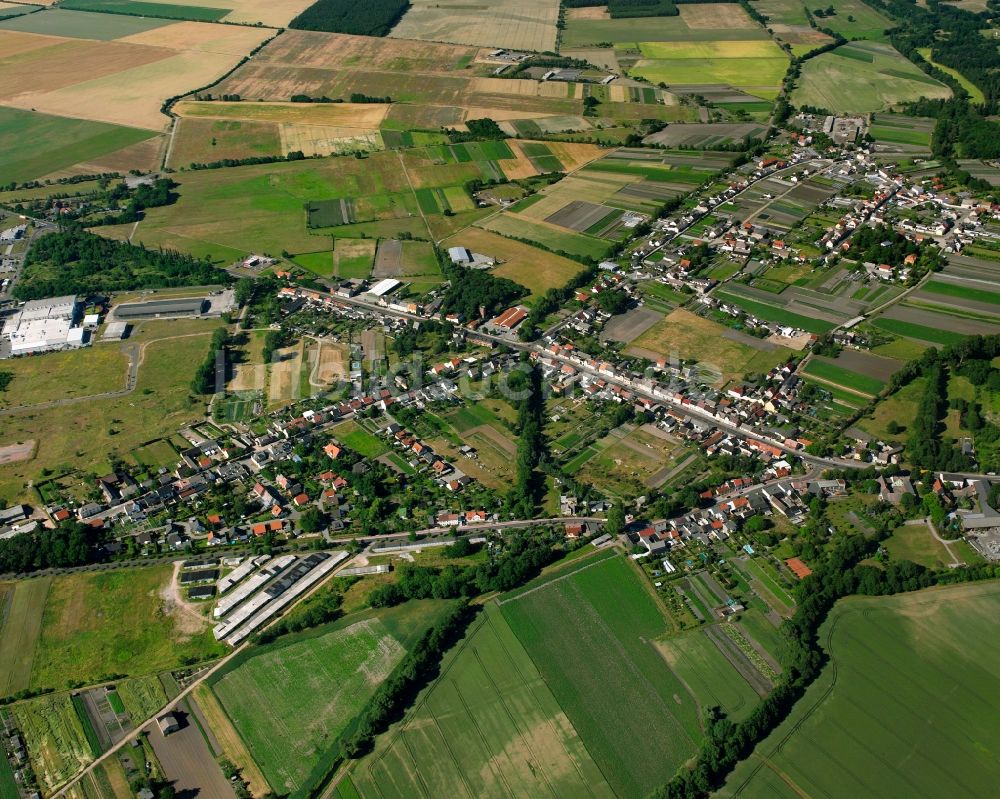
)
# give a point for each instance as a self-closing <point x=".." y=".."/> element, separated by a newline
<point x="241" y="572"/>
<point x="273" y="569"/>
<point x="44" y="326"/>
<point x="158" y="309"/>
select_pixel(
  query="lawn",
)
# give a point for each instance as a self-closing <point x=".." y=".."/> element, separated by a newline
<point x="488" y="727"/>
<point x="685" y="335"/>
<point x="899" y="407"/>
<point x="156" y="454"/>
<point x="311" y="686"/>
<point x="21" y="624"/>
<point x="591" y="637"/>
<point x="54" y="736"/>
<point x="33" y="145"/>
<point x="838" y="375"/>
<point x="114" y="622"/>
<point x="907" y="706"/>
<point x="914" y="542"/>
<point x="355" y="437"/>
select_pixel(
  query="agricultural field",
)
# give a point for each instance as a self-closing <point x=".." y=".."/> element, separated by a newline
<point x="859" y="372"/>
<point x="513" y="24"/>
<point x="532" y="268"/>
<point x="903" y="133"/>
<point x="245" y="12"/>
<point x="489" y="726"/>
<point x="696" y="22"/>
<point x="312" y="685"/>
<point x="775" y="309"/>
<point x="861" y="77"/>
<point x="597" y="622"/>
<point x="276" y="128"/>
<point x="854" y="19"/>
<point x="35" y="145"/>
<point x="706" y="135"/>
<point x="939" y="322"/>
<point x="920" y="728"/>
<point x="124" y="67"/>
<point x="149" y="632"/>
<point x="21" y="606"/>
<point x="724" y="355"/>
<point x="54" y="737"/>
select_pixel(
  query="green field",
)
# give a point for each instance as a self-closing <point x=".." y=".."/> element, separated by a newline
<point x="907" y="705"/>
<point x="825" y="370"/>
<point x="962" y="292"/>
<point x="319" y="263"/>
<point x="774" y="314"/>
<point x="861" y="77"/>
<point x="764" y="574"/>
<point x="141" y="697"/>
<point x="549" y="237"/>
<point x="353" y="436"/>
<point x="21" y="616"/>
<point x="914" y="542"/>
<point x="33" y="145"/>
<point x="113" y="622"/>
<point x="975" y="93"/>
<point x="291" y="700"/>
<point x="920" y="332"/>
<point x="141" y="9"/>
<point x="488" y="727"/>
<point x="708" y="674"/>
<point x="591" y="637"/>
<point x="899" y="135"/>
<point x="82" y="24"/>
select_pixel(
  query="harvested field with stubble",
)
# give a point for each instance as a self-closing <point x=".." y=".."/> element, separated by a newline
<point x="513" y="24"/>
<point x="918" y="732"/>
<point x="532" y="268"/>
<point x="123" y="81"/>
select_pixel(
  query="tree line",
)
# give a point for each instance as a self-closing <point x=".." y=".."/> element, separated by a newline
<point x="70" y="544"/>
<point x="204" y="381"/>
<point x="73" y="261"/>
<point x="475" y="293"/>
<point x="370" y="18"/>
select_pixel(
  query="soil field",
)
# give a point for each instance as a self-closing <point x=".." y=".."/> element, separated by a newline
<point x="937" y="323"/>
<point x="704" y="135"/>
<point x="695" y="22"/>
<point x="863" y="77"/>
<point x="830" y="371"/>
<point x="915" y="734"/>
<point x="81" y="24"/>
<point x="601" y="620"/>
<point x="534" y="269"/>
<point x="685" y="335"/>
<point x="629" y="326"/>
<point x="513" y="24"/>
<point x="488" y="727"/>
<point x="292" y="699"/>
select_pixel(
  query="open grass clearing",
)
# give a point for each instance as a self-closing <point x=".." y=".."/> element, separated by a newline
<point x="21" y="606"/>
<point x="831" y="372"/>
<point x="115" y="622"/>
<point x="311" y="686"/>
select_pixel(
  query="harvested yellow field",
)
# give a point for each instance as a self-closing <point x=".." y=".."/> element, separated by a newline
<point x="519" y="87"/>
<point x="352" y="115"/>
<point x="574" y="155"/>
<point x="594" y="12"/>
<point x="132" y="97"/>
<point x="518" y="167"/>
<point x="501" y="114"/>
<point x="715" y="15"/>
<point x="515" y="24"/>
<point x="122" y="82"/>
<point x="235" y="40"/>
<point x="532" y="268"/>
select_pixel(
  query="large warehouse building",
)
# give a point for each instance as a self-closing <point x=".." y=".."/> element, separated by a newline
<point x="45" y="325"/>
<point x="159" y="309"/>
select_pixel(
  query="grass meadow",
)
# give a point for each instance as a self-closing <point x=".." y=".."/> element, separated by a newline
<point x="907" y="704"/>
<point x="838" y="375"/>
<point x="22" y="603"/>
<point x="291" y="700"/>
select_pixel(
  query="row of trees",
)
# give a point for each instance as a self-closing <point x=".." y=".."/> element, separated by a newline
<point x="520" y="557"/>
<point x="70" y="544"/>
<point x="621" y="9"/>
<point x="204" y="381"/>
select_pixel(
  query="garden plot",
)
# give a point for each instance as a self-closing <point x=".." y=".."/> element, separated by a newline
<point x="903" y="134"/>
<point x="930" y="326"/>
<point x="972" y="299"/>
<point x="706" y="135"/>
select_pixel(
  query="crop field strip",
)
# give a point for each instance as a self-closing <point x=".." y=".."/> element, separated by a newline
<point x="581" y="629"/>
<point x="854" y="731"/>
<point x="21" y="606"/>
